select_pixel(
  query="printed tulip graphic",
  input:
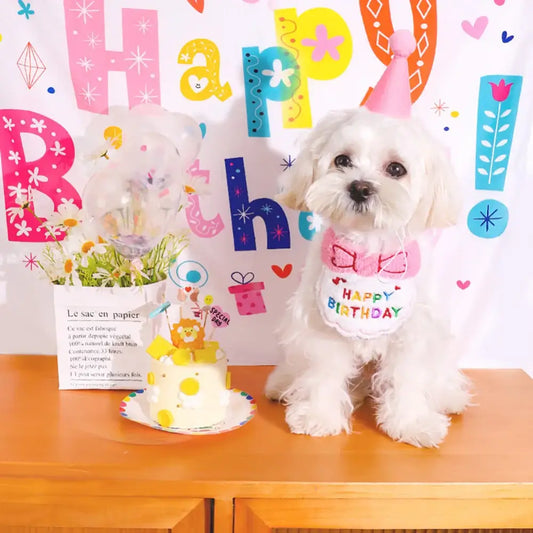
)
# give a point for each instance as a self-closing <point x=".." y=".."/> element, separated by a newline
<point x="501" y="91"/>
<point x="499" y="97"/>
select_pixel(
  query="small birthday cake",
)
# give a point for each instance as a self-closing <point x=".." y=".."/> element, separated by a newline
<point x="188" y="382"/>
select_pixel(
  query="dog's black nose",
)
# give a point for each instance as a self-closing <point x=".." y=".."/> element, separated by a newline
<point x="360" y="191"/>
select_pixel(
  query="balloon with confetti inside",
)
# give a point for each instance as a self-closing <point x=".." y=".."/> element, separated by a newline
<point x="134" y="200"/>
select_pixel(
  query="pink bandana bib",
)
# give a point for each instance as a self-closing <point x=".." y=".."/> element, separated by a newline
<point x="365" y="295"/>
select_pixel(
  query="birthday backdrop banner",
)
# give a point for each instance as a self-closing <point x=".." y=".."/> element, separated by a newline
<point x="257" y="75"/>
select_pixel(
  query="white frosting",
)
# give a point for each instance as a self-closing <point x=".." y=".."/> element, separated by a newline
<point x="187" y="396"/>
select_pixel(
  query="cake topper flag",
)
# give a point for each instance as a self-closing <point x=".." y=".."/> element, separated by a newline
<point x="392" y="94"/>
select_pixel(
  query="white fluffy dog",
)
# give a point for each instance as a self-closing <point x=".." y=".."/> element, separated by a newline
<point x="361" y="324"/>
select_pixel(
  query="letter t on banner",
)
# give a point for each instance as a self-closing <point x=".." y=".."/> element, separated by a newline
<point x="90" y="61"/>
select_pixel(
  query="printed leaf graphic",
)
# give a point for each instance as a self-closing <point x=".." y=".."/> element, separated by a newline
<point x="503" y="142"/>
<point x="489" y="114"/>
<point x="503" y="128"/>
<point x="500" y="158"/>
<point x="487" y="144"/>
<point x="488" y="128"/>
<point x="484" y="158"/>
<point x="482" y="171"/>
<point x="506" y="113"/>
<point x="498" y="171"/>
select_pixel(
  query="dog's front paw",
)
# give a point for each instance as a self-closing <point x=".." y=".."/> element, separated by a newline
<point x="425" y="431"/>
<point x="304" y="420"/>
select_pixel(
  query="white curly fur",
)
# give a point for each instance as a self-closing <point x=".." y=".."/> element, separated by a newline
<point x="411" y="374"/>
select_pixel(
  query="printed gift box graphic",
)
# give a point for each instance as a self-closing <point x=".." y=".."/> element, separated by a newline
<point x="247" y="294"/>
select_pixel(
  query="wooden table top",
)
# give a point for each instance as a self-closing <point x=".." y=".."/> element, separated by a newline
<point x="79" y="435"/>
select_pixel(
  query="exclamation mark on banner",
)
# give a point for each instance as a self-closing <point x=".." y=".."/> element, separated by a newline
<point x="497" y="109"/>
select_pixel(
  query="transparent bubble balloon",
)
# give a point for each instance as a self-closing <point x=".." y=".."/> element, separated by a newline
<point x="135" y="199"/>
<point x="182" y="130"/>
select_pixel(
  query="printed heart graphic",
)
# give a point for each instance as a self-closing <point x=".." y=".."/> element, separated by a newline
<point x="463" y="284"/>
<point x="506" y="38"/>
<point x="188" y="289"/>
<point x="197" y="4"/>
<point x="474" y="30"/>
<point x="338" y="280"/>
<point x="197" y="84"/>
<point x="397" y="287"/>
<point x="282" y="272"/>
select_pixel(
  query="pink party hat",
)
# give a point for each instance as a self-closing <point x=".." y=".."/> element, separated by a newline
<point x="392" y="94"/>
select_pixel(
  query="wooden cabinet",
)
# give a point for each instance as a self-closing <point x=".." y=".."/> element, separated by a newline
<point x="70" y="463"/>
<point x="103" y="515"/>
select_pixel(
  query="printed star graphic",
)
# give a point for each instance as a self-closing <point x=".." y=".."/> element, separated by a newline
<point x="287" y="163"/>
<point x="279" y="232"/>
<point x="488" y="218"/>
<point x="439" y="107"/>
<point x="144" y="25"/>
<point x="89" y="94"/>
<point x="85" y="63"/>
<point x="85" y="10"/>
<point x="137" y="60"/>
<point x="267" y="208"/>
<point x="146" y="96"/>
<point x="93" y="40"/>
<point x="244" y="213"/>
<point x="30" y="261"/>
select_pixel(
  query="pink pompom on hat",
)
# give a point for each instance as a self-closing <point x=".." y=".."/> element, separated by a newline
<point x="392" y="95"/>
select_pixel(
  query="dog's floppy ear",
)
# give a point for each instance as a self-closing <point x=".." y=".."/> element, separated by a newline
<point x="441" y="203"/>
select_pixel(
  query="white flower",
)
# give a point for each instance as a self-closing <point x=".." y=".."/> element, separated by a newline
<point x="52" y="231"/>
<point x="39" y="125"/>
<point x="60" y="264"/>
<point x="8" y="123"/>
<point x="279" y="74"/>
<point x="57" y="149"/>
<point x="196" y="185"/>
<point x="67" y="215"/>
<point x="14" y="156"/>
<point x="315" y="222"/>
<point x="85" y="242"/>
<point x="14" y="212"/>
<point x="35" y="178"/>
<point x="17" y="190"/>
<point x="23" y="229"/>
<point x="108" y="278"/>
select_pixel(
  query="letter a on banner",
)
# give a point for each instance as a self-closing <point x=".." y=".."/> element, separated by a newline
<point x="90" y="60"/>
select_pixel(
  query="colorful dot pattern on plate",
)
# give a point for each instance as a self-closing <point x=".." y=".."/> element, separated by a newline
<point x="241" y="409"/>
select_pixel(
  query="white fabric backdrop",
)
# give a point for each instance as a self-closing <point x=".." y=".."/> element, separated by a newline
<point x="190" y="56"/>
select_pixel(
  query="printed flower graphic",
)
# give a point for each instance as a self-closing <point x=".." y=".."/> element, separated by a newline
<point x="323" y="44"/>
<point x="501" y="91"/>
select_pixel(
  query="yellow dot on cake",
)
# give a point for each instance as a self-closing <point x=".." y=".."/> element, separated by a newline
<point x="150" y="378"/>
<point x="165" y="418"/>
<point x="190" y="386"/>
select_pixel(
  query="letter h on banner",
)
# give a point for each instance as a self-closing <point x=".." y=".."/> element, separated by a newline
<point x="243" y="212"/>
<point x="90" y="61"/>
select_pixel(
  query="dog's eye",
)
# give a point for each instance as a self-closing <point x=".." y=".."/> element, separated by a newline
<point x="395" y="170"/>
<point x="343" y="161"/>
